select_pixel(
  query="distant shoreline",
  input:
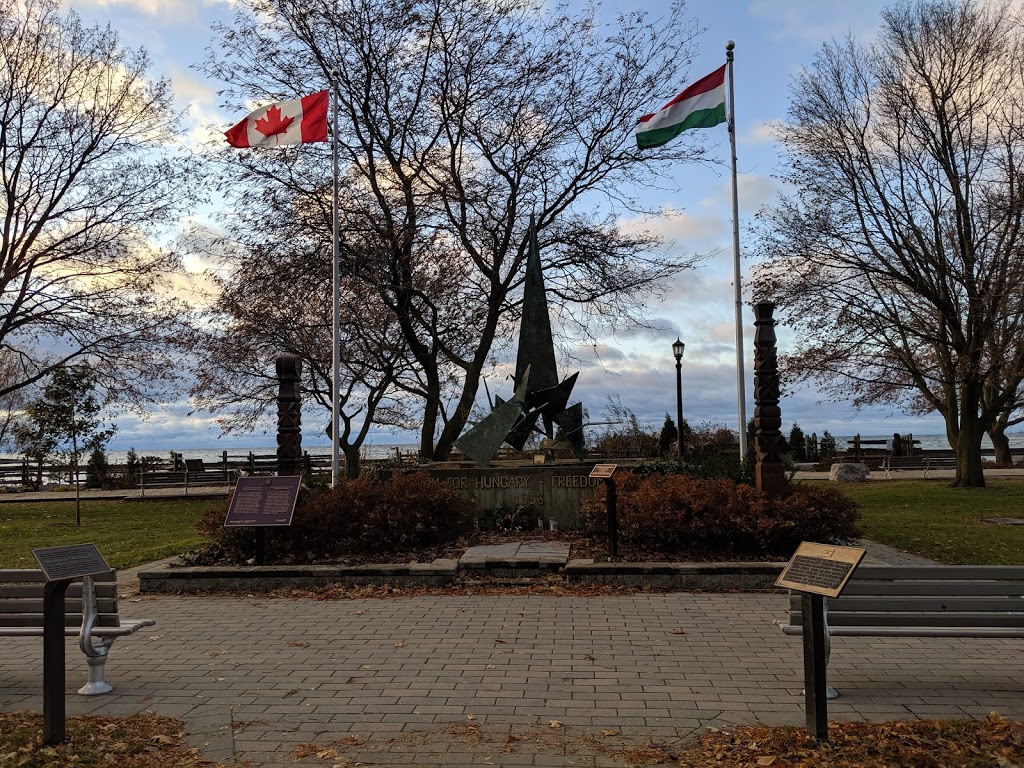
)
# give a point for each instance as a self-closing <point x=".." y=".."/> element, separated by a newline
<point x="929" y="442"/>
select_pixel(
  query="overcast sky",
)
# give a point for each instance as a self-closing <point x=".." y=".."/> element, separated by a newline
<point x="774" y="39"/>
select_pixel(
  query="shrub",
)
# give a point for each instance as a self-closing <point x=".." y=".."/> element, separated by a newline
<point x="668" y="437"/>
<point x="797" y="445"/>
<point x="97" y="469"/>
<point x="713" y="451"/>
<point x="122" y="477"/>
<point x="625" y="436"/>
<point x="702" y="517"/>
<point x="828" y="449"/>
<point x="362" y="517"/>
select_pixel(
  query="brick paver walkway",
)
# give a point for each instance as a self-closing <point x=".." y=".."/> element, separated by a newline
<point x="508" y="680"/>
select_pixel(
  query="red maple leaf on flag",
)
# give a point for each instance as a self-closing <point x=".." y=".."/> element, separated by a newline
<point x="271" y="124"/>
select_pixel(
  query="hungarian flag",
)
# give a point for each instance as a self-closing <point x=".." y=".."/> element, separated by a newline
<point x="702" y="105"/>
<point x="286" y="122"/>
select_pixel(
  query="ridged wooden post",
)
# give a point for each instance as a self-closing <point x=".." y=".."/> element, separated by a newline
<point x="289" y="416"/>
<point x="769" y="472"/>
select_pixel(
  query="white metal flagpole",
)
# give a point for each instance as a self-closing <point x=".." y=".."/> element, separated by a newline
<point x="741" y="394"/>
<point x="336" y="304"/>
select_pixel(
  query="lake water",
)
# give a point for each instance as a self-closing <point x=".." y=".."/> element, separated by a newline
<point x="385" y="450"/>
<point x="213" y="455"/>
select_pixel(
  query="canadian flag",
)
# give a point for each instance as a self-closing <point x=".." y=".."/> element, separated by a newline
<point x="285" y="122"/>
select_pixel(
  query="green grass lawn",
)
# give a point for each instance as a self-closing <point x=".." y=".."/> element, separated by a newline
<point x="929" y="518"/>
<point x="127" y="533"/>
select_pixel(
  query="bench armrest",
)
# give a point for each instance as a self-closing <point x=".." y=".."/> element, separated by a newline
<point x="89" y="615"/>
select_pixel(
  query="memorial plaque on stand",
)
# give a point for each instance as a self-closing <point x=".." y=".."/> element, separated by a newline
<point x="603" y="470"/>
<point x="820" y="569"/>
<point x="263" y="501"/>
<point x="817" y="571"/>
<point x="60" y="565"/>
<point x="70" y="562"/>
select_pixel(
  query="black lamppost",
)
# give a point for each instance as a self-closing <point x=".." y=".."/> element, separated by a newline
<point x="677" y="350"/>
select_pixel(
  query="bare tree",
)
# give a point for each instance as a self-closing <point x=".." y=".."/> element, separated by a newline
<point x="898" y="258"/>
<point x="85" y="181"/>
<point x="12" y="403"/>
<point x="275" y="301"/>
<point x="459" y="120"/>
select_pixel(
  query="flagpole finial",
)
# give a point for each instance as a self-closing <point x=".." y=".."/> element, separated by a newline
<point x="729" y="45"/>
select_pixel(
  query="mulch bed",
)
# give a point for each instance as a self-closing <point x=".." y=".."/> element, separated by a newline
<point x="990" y="743"/>
<point x="135" y="741"/>
<point x="581" y="547"/>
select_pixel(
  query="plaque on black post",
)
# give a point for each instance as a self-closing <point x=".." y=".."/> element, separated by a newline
<point x="60" y="566"/>
<point x="820" y="569"/>
<point x="817" y="571"/>
<point x="70" y="562"/>
<point x="263" y="501"/>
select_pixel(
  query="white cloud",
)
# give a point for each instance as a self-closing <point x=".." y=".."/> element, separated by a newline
<point x="679" y="226"/>
<point x="204" y="123"/>
<point x="175" y="10"/>
<point x="804" y="22"/>
<point x="758" y="134"/>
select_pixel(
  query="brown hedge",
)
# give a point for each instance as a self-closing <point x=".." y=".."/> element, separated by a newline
<point x="366" y="516"/>
<point x="698" y="516"/>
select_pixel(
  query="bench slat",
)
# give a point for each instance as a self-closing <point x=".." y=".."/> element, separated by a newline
<point x="919" y="618"/>
<point x="34" y="604"/>
<point x="929" y="604"/>
<point x="74" y="592"/>
<point x="70" y="620"/>
<point x="952" y="587"/>
<point x="130" y="626"/>
<point x="919" y="631"/>
<point x="34" y="575"/>
<point x="924" y="603"/>
<point x="939" y="573"/>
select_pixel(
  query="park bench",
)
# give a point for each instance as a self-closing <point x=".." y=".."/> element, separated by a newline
<point x="921" y="461"/>
<point x="923" y="601"/>
<point x="90" y="613"/>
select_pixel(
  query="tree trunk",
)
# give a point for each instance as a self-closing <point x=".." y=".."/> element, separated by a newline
<point x="1002" y="445"/>
<point x="431" y="404"/>
<point x="352" y="465"/>
<point x="969" y="473"/>
<point x="454" y="428"/>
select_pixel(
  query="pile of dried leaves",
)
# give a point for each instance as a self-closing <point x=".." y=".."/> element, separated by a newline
<point x="551" y="586"/>
<point x="994" y="742"/>
<point x="991" y="743"/>
<point x="136" y="741"/>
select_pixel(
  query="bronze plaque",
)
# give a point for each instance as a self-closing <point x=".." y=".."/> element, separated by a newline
<point x="820" y="569"/>
<point x="603" y="470"/>
<point x="70" y="562"/>
<point x="263" y="501"/>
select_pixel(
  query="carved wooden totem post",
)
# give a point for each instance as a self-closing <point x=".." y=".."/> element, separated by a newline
<point x="289" y="416"/>
<point x="769" y="471"/>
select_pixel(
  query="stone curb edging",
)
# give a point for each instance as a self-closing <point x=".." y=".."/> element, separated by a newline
<point x="706" y="577"/>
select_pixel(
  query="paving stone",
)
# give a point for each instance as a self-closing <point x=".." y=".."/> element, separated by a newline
<point x="514" y="663"/>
